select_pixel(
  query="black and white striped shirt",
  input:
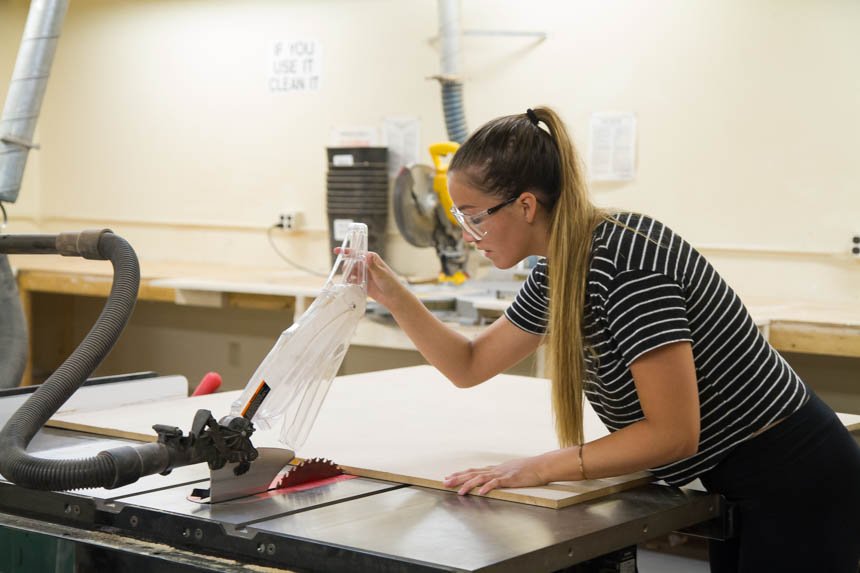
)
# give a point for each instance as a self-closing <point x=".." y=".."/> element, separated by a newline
<point x="650" y="288"/>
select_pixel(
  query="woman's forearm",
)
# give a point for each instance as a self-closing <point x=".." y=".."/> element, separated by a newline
<point x="637" y="447"/>
<point x="447" y="350"/>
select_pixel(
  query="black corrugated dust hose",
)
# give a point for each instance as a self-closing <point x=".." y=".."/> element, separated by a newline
<point x="109" y="468"/>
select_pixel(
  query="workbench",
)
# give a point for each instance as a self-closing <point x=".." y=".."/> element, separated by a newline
<point x="811" y="328"/>
<point x="192" y="285"/>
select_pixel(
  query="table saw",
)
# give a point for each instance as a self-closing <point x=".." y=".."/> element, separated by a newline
<point x="357" y="524"/>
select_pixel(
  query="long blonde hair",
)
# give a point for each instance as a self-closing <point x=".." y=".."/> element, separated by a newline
<point x="508" y="156"/>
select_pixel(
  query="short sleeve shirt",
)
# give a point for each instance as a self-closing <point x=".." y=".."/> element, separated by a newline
<point x="646" y="288"/>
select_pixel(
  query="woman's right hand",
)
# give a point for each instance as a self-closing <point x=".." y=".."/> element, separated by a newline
<point x="383" y="286"/>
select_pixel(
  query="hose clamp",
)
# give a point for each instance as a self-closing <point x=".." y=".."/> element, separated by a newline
<point x="84" y="244"/>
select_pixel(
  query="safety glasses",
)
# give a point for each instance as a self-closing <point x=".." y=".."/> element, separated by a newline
<point x="472" y="223"/>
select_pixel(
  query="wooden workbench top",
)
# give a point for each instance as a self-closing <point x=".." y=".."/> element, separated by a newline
<point x="168" y="270"/>
<point x="795" y="326"/>
<point x="208" y="276"/>
<point x="810" y="312"/>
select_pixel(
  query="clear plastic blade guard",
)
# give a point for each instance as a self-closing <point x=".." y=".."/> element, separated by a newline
<point x="293" y="380"/>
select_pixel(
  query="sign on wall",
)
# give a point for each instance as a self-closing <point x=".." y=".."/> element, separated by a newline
<point x="402" y="136"/>
<point x="295" y="66"/>
<point x="612" y="147"/>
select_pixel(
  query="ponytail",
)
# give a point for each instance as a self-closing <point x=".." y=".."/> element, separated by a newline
<point x="573" y="221"/>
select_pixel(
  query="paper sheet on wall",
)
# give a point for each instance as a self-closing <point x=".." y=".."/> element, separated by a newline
<point x="612" y="149"/>
<point x="402" y="136"/>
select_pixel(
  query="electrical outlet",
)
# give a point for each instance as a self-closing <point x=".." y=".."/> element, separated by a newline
<point x="290" y="220"/>
<point x="855" y="245"/>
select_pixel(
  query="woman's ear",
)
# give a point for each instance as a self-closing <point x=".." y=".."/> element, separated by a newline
<point x="527" y="203"/>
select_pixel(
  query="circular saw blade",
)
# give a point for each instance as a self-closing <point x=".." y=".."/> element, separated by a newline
<point x="415" y="205"/>
<point x="307" y="471"/>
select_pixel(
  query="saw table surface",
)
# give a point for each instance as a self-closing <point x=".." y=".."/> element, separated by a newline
<point x="358" y="524"/>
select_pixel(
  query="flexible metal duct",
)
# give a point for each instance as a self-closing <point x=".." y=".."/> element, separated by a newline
<point x="452" y="85"/>
<point x="26" y="90"/>
<point x="20" y="112"/>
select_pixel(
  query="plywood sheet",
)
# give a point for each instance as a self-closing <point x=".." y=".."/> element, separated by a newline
<point x="850" y="421"/>
<point x="408" y="425"/>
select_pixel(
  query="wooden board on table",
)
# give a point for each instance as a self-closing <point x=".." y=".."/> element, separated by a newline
<point x="850" y="421"/>
<point x="408" y="425"/>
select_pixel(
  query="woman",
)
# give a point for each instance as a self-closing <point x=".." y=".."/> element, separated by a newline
<point x="663" y="349"/>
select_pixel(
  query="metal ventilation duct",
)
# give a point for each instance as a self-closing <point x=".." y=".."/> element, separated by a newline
<point x="26" y="91"/>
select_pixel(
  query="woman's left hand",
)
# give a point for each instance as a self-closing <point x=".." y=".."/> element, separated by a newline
<point x="515" y="473"/>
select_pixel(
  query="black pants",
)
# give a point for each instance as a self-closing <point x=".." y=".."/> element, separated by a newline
<point x="797" y="490"/>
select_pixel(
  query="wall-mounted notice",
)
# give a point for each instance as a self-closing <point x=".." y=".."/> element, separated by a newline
<point x="612" y="149"/>
<point x="295" y="66"/>
<point x="402" y="136"/>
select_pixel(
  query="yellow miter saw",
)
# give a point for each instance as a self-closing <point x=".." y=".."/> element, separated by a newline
<point x="422" y="210"/>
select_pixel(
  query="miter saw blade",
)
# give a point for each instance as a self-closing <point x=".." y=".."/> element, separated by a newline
<point x="415" y="205"/>
<point x="307" y="471"/>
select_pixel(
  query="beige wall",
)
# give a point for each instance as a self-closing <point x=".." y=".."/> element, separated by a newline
<point x="158" y="121"/>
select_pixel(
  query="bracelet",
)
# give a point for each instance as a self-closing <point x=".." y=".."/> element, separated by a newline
<point x="581" y="463"/>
